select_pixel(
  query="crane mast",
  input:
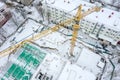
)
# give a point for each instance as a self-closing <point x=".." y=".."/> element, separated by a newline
<point x="76" y="26"/>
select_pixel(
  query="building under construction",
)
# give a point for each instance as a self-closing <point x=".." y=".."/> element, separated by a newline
<point x="59" y="40"/>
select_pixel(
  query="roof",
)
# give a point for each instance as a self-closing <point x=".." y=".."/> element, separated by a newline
<point x="89" y="60"/>
<point x="69" y="6"/>
<point x="1" y="4"/>
<point x="106" y="16"/>
<point x="74" y="72"/>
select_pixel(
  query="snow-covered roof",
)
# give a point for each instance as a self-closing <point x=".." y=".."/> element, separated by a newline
<point x="56" y="64"/>
<point x="27" y="32"/>
<point x="89" y="60"/>
<point x="106" y="16"/>
<point x="1" y="4"/>
<point x="60" y="4"/>
<point x="74" y="72"/>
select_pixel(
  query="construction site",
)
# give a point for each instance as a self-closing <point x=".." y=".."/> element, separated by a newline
<point x="59" y="39"/>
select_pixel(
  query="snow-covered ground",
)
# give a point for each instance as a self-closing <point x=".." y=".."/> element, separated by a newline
<point x="85" y="65"/>
<point x="90" y="61"/>
<point x="74" y="72"/>
<point x="56" y="42"/>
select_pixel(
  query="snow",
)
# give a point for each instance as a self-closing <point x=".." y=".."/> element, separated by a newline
<point x="107" y="1"/>
<point x="17" y="17"/>
<point x="68" y="7"/>
<point x="61" y="43"/>
<point x="8" y="28"/>
<point x="107" y="38"/>
<point x="73" y="72"/>
<point x="88" y="64"/>
<point x="52" y="65"/>
<point x="34" y="15"/>
<point x="17" y="37"/>
<point x="53" y="38"/>
<point x="1" y="4"/>
<point x="101" y="17"/>
<point x="89" y="61"/>
<point x="3" y="61"/>
<point x="28" y="30"/>
<point x="101" y="64"/>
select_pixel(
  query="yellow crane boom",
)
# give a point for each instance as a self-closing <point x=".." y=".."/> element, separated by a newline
<point x="53" y="29"/>
<point x="35" y="37"/>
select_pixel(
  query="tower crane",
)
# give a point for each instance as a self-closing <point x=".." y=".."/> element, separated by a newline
<point x="76" y="27"/>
